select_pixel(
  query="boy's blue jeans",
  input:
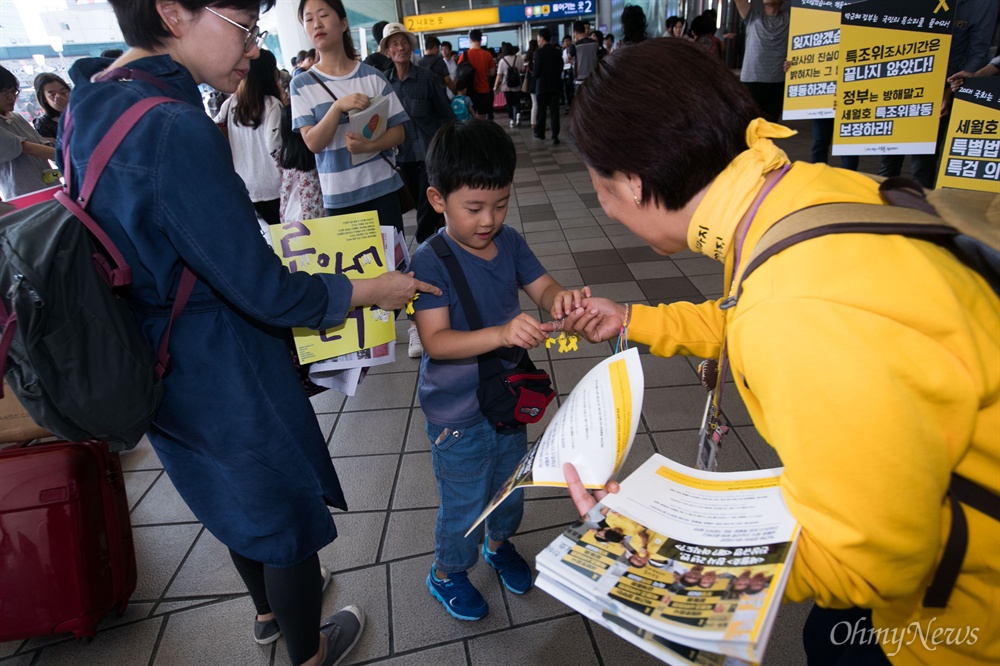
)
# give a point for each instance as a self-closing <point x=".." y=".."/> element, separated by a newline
<point x="471" y="464"/>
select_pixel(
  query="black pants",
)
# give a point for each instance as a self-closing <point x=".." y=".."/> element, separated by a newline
<point x="770" y="97"/>
<point x="268" y="210"/>
<point x="387" y="206"/>
<point x="822" y="140"/>
<point x="548" y="102"/>
<point x="428" y="220"/>
<point x="295" y="596"/>
<point x="483" y="104"/>
<point x="841" y="638"/>
<point x="513" y="103"/>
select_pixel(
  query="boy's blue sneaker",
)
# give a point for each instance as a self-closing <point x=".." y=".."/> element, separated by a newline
<point x="459" y="596"/>
<point x="514" y="571"/>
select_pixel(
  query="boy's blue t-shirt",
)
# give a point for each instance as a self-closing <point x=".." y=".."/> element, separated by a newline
<point x="447" y="389"/>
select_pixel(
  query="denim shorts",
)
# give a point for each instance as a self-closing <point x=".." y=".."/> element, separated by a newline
<point x="471" y="465"/>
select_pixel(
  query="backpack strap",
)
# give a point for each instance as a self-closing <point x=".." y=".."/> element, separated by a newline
<point x="490" y="361"/>
<point x="120" y="274"/>
<point x="960" y="491"/>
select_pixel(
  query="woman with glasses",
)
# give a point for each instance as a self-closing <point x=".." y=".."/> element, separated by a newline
<point x="52" y="94"/>
<point x="235" y="432"/>
<point x="252" y="118"/>
<point x="23" y="153"/>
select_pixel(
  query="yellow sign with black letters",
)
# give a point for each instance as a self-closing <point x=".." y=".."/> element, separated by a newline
<point x="813" y="51"/>
<point x="971" y="159"/>
<point x="893" y="57"/>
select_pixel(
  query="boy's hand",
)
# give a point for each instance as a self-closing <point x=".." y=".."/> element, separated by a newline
<point x="599" y="319"/>
<point x="524" y="331"/>
<point x="567" y="301"/>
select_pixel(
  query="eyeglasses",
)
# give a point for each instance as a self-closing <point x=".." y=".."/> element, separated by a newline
<point x="10" y="92"/>
<point x="254" y="35"/>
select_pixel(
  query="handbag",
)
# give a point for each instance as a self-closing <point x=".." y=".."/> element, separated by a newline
<point x="499" y="100"/>
<point x="508" y="398"/>
<point x="406" y="201"/>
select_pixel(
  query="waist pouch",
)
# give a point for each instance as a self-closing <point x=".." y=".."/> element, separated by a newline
<point x="513" y="398"/>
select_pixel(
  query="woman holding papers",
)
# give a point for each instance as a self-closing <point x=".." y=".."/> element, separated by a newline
<point x="874" y="384"/>
<point x="235" y="432"/>
<point x="323" y="97"/>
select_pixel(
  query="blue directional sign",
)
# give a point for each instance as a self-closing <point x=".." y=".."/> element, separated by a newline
<point x="546" y="12"/>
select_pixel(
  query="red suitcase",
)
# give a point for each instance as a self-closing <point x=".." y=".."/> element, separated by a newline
<point x="66" y="549"/>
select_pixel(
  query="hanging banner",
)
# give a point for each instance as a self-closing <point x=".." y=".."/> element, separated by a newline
<point x="892" y="70"/>
<point x="972" y="149"/>
<point x="813" y="50"/>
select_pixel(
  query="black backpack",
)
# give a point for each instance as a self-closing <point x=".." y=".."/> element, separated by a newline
<point x="71" y="348"/>
<point x="513" y="79"/>
<point x="465" y="72"/>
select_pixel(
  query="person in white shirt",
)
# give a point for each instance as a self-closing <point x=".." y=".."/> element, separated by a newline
<point x="252" y="120"/>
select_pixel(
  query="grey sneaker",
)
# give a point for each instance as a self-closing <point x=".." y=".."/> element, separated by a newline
<point x="267" y="631"/>
<point x="342" y="631"/>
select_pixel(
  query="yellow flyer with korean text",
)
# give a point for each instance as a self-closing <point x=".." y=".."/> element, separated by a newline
<point x="971" y="158"/>
<point x="893" y="57"/>
<point x="348" y="245"/>
<point x="813" y="50"/>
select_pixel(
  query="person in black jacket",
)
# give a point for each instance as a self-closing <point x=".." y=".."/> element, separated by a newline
<point x="548" y="76"/>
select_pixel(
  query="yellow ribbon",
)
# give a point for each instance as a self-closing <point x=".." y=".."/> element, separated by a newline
<point x="731" y="193"/>
<point x="409" y="303"/>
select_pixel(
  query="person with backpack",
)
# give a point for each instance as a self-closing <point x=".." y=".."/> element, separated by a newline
<point x="483" y="68"/>
<point x="869" y="361"/>
<point x="510" y="70"/>
<point x="234" y="431"/>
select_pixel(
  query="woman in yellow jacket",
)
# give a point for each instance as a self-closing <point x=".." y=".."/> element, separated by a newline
<point x="870" y="363"/>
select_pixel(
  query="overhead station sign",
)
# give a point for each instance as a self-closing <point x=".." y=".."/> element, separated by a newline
<point x="474" y="18"/>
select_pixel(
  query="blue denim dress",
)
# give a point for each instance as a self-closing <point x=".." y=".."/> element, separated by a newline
<point x="235" y="433"/>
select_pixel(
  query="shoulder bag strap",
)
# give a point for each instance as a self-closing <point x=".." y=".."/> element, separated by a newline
<point x="490" y="361"/>
<point x="330" y="92"/>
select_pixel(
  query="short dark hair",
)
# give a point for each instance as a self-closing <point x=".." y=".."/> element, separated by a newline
<point x="545" y="34"/>
<point x="597" y="35"/>
<point x="633" y="24"/>
<point x="610" y="36"/>
<point x="338" y="7"/>
<point x="302" y="55"/>
<point x="378" y="30"/>
<point x="432" y="42"/>
<point x="111" y="53"/>
<point x="8" y="80"/>
<point x="444" y="43"/>
<point x="672" y="21"/>
<point x="702" y="25"/>
<point x="475" y="35"/>
<point x="42" y="80"/>
<point x="143" y="28"/>
<point x="579" y="28"/>
<point x="473" y="153"/>
<point x="701" y="127"/>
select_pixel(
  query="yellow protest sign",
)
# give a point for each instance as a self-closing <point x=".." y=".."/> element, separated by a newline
<point x="893" y="56"/>
<point x="813" y="50"/>
<point x="972" y="148"/>
<point x="343" y="245"/>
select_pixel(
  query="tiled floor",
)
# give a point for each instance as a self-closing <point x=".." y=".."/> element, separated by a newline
<point x="190" y="607"/>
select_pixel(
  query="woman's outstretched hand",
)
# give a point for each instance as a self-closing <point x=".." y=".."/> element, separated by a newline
<point x="600" y="319"/>
<point x="582" y="498"/>
<point x="389" y="291"/>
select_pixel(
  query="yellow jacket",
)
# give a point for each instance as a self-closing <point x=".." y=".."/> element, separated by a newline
<point x="872" y="365"/>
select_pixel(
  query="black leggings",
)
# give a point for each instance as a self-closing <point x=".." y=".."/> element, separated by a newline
<point x="294" y="594"/>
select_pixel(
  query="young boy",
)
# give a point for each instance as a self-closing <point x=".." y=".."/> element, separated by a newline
<point x="470" y="167"/>
<point x="461" y="105"/>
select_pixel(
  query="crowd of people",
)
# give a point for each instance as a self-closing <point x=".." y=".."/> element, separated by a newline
<point x="824" y="360"/>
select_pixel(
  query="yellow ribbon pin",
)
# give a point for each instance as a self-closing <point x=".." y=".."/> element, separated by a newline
<point x="409" y="303"/>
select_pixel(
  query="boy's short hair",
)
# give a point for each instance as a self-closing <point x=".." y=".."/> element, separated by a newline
<point x="475" y="35"/>
<point x="432" y="42"/>
<point x="476" y="154"/>
<point x="545" y="34"/>
<point x="461" y="85"/>
<point x="446" y="43"/>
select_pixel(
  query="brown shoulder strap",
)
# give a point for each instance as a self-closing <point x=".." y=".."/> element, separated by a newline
<point x="841" y="218"/>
